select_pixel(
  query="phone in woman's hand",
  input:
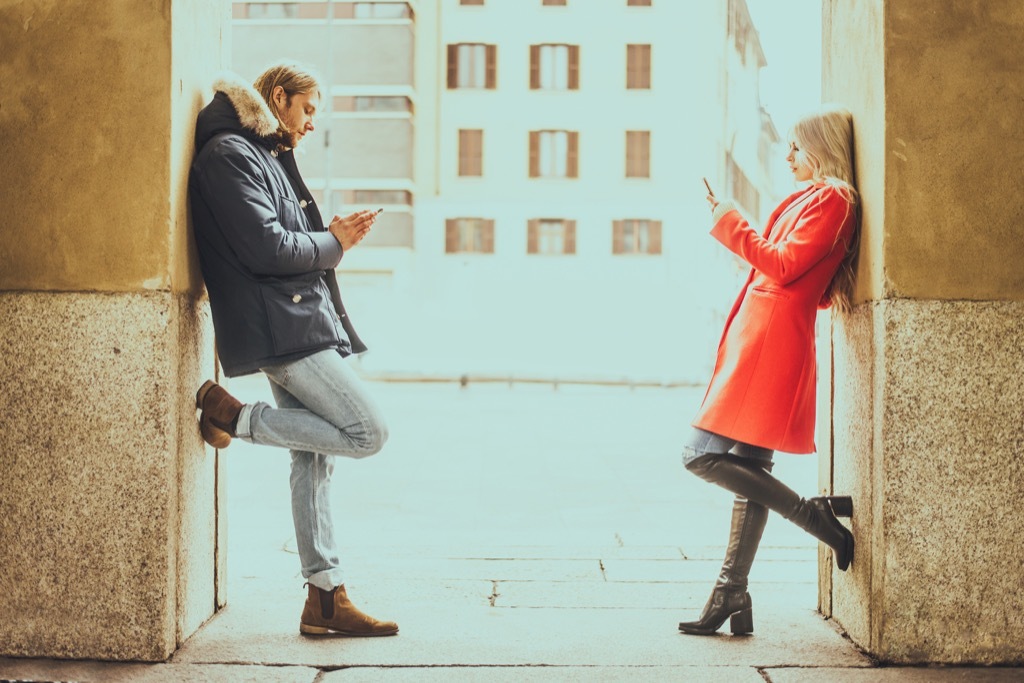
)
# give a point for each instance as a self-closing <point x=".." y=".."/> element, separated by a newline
<point x="710" y="191"/>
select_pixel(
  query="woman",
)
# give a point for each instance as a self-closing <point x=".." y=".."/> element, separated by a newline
<point x="762" y="394"/>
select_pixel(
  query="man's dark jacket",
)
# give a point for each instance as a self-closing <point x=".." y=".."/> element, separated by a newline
<point x="266" y="258"/>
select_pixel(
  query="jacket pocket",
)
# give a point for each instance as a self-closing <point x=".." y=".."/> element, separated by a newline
<point x="299" y="315"/>
<point x="289" y="215"/>
<point x="770" y="293"/>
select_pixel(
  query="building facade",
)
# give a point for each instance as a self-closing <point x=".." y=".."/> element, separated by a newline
<point x="540" y="164"/>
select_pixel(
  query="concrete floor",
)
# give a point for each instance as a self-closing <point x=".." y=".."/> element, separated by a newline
<point x="521" y="533"/>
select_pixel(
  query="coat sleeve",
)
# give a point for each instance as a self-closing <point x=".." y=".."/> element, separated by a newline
<point x="811" y="239"/>
<point x="234" y="188"/>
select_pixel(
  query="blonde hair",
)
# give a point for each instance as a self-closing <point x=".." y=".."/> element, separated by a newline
<point x="825" y="140"/>
<point x="294" y="78"/>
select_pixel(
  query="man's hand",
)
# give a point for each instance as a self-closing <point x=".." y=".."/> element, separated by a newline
<point x="351" y="229"/>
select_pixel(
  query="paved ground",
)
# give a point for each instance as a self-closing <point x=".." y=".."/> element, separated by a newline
<point x="518" y="533"/>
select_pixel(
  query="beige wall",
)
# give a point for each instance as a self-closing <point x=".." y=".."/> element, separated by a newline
<point x="87" y="94"/>
<point x="953" y="128"/>
<point x="924" y="424"/>
<point x="107" y="500"/>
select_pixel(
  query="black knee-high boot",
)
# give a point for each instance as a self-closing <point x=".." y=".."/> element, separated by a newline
<point x="730" y="599"/>
<point x="816" y="516"/>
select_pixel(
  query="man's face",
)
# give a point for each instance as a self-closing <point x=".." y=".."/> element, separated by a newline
<point x="297" y="114"/>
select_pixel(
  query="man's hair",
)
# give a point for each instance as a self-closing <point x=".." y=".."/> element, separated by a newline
<point x="294" y="78"/>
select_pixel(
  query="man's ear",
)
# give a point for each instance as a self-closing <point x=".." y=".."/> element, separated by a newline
<point x="279" y="95"/>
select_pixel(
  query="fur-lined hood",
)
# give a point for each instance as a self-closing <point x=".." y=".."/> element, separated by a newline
<point x="236" y="107"/>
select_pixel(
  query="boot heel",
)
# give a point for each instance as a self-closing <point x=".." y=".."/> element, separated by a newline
<point x="742" y="622"/>
<point x="841" y="506"/>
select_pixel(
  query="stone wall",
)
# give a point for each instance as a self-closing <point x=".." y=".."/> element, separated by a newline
<point x="924" y="427"/>
<point x="108" y="518"/>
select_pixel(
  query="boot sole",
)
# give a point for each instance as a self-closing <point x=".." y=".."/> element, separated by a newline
<point x="308" y="630"/>
<point x="741" y="623"/>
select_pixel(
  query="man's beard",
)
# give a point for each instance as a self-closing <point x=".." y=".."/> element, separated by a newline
<point x="286" y="138"/>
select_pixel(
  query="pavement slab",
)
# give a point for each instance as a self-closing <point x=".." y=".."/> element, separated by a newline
<point x="435" y="634"/>
<point x="899" y="674"/>
<point x="113" y="672"/>
<point x="549" y="674"/>
<point x="685" y="598"/>
<point x="803" y="571"/>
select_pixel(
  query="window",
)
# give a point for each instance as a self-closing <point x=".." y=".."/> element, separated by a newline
<point x="554" y="67"/>
<point x="638" y="154"/>
<point x="471" y="2"/>
<point x="272" y="10"/>
<point x="348" y="103"/>
<point x="638" y="67"/>
<point x="636" y="236"/>
<point x="553" y="154"/>
<point x="376" y="197"/>
<point x="554" y="2"/>
<point x="372" y="10"/>
<point x="471" y="152"/>
<point x="469" y="235"/>
<point x="550" y="236"/>
<point x="742" y="190"/>
<point x="472" y="65"/>
<point x="380" y="10"/>
<point x="638" y="3"/>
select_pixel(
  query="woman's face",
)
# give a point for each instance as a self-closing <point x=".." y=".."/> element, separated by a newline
<point x="797" y="161"/>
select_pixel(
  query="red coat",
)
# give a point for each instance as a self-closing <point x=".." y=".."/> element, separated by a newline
<point x="763" y="388"/>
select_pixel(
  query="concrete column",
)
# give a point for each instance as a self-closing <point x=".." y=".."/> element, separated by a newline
<point x="925" y="426"/>
<point x="108" y="498"/>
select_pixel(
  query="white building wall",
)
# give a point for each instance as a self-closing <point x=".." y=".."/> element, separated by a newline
<point x="591" y="314"/>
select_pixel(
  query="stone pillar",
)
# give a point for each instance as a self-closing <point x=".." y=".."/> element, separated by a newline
<point x="108" y="499"/>
<point x="925" y="427"/>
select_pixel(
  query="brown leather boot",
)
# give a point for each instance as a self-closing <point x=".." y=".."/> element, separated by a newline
<point x="331" y="612"/>
<point x="219" y="417"/>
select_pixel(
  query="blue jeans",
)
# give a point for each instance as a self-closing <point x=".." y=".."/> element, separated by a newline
<point x="323" y="411"/>
<point x="702" y="442"/>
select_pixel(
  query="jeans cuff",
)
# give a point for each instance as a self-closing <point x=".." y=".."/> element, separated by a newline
<point x="243" y="428"/>
<point x="690" y="454"/>
<point x="327" y="579"/>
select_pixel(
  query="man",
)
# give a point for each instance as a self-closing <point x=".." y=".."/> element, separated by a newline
<point x="268" y="263"/>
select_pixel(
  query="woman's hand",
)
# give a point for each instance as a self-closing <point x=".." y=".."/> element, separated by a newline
<point x="351" y="229"/>
<point x="713" y="201"/>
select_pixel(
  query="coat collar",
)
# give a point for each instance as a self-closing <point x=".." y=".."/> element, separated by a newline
<point x="253" y="111"/>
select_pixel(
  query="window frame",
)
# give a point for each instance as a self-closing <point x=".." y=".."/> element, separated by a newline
<point x="638" y="66"/>
<point x="534" y="230"/>
<point x="653" y="237"/>
<point x="471" y="153"/>
<point x="572" y="63"/>
<point x="455" y="235"/>
<point x="537" y="137"/>
<point x="638" y="154"/>
<point x="490" y="71"/>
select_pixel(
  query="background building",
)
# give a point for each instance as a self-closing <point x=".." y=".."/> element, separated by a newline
<point x="540" y="167"/>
